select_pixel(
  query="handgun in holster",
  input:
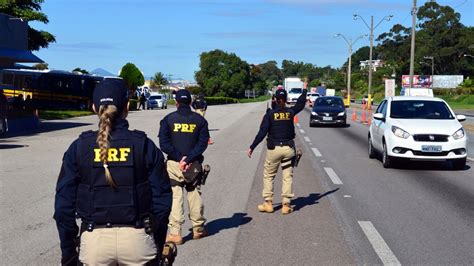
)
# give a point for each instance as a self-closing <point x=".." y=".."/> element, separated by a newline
<point x="206" y="169"/>
<point x="170" y="251"/>
<point x="298" y="156"/>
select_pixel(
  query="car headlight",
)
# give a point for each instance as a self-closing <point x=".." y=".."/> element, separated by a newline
<point x="400" y="132"/>
<point x="314" y="113"/>
<point x="459" y="134"/>
<point x="341" y="114"/>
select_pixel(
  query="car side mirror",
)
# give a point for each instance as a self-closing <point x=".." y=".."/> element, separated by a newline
<point x="379" y="116"/>
<point x="461" y="118"/>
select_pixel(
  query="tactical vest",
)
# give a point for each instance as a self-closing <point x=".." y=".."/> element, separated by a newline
<point x="184" y="131"/>
<point x="281" y="124"/>
<point x="96" y="200"/>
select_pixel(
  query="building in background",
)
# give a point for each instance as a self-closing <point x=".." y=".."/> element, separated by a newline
<point x="375" y="64"/>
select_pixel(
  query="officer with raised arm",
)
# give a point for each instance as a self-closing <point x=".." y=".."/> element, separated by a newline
<point x="183" y="137"/>
<point x="278" y="126"/>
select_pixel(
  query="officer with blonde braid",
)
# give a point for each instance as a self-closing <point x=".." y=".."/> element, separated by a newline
<point x="116" y="182"/>
<point x="277" y="125"/>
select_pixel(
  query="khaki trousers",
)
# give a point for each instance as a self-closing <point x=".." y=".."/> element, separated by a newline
<point x="284" y="156"/>
<point x="196" y="209"/>
<point x="202" y="112"/>
<point x="117" y="245"/>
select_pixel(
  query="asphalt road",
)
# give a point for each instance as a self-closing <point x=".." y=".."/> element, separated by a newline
<point x="348" y="209"/>
<point x="420" y="213"/>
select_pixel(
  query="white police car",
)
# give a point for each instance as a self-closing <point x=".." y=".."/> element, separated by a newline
<point x="156" y="101"/>
<point x="417" y="128"/>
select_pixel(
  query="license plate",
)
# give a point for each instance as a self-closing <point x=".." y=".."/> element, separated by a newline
<point x="327" y="118"/>
<point x="431" y="148"/>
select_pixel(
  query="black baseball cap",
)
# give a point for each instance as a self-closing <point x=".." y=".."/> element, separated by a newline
<point x="280" y="94"/>
<point x="183" y="96"/>
<point x="111" y="91"/>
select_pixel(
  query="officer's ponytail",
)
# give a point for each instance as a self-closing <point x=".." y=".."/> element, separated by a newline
<point x="107" y="115"/>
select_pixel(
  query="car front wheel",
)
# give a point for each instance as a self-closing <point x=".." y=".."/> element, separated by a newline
<point x="387" y="160"/>
<point x="371" y="149"/>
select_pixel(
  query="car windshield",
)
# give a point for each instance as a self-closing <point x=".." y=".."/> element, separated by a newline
<point x="155" y="97"/>
<point x="296" y="90"/>
<point x="420" y="110"/>
<point x="328" y="102"/>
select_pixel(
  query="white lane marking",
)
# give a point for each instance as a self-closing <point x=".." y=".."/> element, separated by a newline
<point x="333" y="176"/>
<point x="470" y="159"/>
<point x="379" y="245"/>
<point x="316" y="152"/>
<point x="323" y="161"/>
<point x="307" y="139"/>
<point x="347" y="196"/>
<point x="302" y="131"/>
<point x="298" y="125"/>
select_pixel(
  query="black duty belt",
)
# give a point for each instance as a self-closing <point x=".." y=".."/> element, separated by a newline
<point x="85" y="226"/>
<point x="283" y="143"/>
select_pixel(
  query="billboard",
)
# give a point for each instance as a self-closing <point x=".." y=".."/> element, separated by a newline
<point x="419" y="81"/>
<point x="439" y="81"/>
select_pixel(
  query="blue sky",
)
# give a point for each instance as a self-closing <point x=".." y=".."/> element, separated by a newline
<point x="169" y="35"/>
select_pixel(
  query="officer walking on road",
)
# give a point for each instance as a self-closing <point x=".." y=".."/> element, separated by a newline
<point x="183" y="137"/>
<point x="200" y="105"/>
<point x="115" y="181"/>
<point x="278" y="125"/>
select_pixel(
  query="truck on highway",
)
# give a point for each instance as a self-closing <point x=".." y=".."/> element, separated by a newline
<point x="294" y="87"/>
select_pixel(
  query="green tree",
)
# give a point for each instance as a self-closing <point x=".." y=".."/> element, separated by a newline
<point x="78" y="69"/>
<point x="132" y="76"/>
<point x="223" y="74"/>
<point x="158" y="80"/>
<point x="270" y="73"/>
<point x="29" y="10"/>
<point x="41" y="66"/>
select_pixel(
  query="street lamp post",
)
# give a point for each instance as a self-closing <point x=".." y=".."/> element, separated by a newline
<point x="349" y="43"/>
<point x="432" y="68"/>
<point x="371" y="28"/>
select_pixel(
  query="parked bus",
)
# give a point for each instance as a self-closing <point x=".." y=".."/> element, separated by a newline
<point x="49" y="89"/>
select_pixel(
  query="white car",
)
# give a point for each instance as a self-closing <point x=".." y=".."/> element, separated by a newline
<point x="293" y="95"/>
<point x="156" y="101"/>
<point x="312" y="97"/>
<point x="417" y="128"/>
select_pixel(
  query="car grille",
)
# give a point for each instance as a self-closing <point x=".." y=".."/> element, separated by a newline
<point x="328" y="114"/>
<point x="431" y="137"/>
<point x="421" y="153"/>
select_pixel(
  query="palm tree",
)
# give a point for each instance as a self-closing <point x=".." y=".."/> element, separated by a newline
<point x="158" y="80"/>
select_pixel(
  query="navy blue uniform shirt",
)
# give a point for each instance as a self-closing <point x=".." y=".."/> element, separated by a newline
<point x="184" y="133"/>
<point x="278" y="122"/>
<point x="69" y="179"/>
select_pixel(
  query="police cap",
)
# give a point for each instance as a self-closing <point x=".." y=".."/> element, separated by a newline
<point x="111" y="91"/>
<point x="280" y="94"/>
<point x="183" y="96"/>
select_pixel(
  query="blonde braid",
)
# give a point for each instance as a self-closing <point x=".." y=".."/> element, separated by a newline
<point x="107" y="115"/>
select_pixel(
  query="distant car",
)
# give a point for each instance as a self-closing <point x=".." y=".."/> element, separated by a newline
<point x="294" y="94"/>
<point x="312" y="97"/>
<point x="365" y="99"/>
<point x="156" y="101"/>
<point x="328" y="110"/>
<point x="417" y="128"/>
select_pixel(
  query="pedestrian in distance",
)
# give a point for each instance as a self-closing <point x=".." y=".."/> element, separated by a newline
<point x="142" y="101"/>
<point x="200" y="105"/>
<point x="115" y="181"/>
<point x="183" y="137"/>
<point x="278" y="126"/>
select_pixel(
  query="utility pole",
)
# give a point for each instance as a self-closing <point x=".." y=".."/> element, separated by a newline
<point x="371" y="28"/>
<point x="432" y="69"/>
<point x="349" y="43"/>
<point x="412" y="51"/>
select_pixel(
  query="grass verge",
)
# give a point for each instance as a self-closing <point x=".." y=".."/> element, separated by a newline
<point x="61" y="114"/>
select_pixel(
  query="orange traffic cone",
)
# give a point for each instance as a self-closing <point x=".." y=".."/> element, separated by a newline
<point x="209" y="141"/>
<point x="354" y="115"/>
<point x="296" y="119"/>
<point x="363" y="119"/>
